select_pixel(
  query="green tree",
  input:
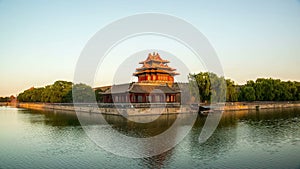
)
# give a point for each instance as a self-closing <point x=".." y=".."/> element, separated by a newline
<point x="83" y="93"/>
<point x="30" y="95"/>
<point x="292" y="89"/>
<point x="59" y="90"/>
<point x="274" y="90"/>
<point x="45" y="97"/>
<point x="57" y="93"/>
<point x="203" y="83"/>
<point x="4" y="99"/>
<point x="193" y="90"/>
<point x="36" y="94"/>
<point x="258" y="91"/>
<point x="210" y="86"/>
<point x="231" y="92"/>
<point x="247" y="93"/>
<point x="297" y="93"/>
<point x="99" y="97"/>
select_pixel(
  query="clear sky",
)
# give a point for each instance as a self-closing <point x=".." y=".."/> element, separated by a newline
<point x="40" y="41"/>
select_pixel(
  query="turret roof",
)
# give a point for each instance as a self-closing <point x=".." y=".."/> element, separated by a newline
<point x="155" y="64"/>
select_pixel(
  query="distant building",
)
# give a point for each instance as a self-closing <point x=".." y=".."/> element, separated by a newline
<point x="155" y="84"/>
<point x="12" y="99"/>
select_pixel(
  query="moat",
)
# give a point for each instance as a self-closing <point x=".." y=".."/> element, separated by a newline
<point x="244" y="139"/>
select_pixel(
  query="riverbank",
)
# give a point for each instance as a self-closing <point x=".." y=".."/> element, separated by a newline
<point x="113" y="109"/>
<point x="4" y="104"/>
<point x="144" y="109"/>
<point x="232" y="106"/>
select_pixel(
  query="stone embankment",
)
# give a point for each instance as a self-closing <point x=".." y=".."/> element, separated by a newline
<point x="259" y="105"/>
<point x="146" y="109"/>
<point x="126" y="110"/>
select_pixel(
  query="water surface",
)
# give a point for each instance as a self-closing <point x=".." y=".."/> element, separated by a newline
<point x="243" y="139"/>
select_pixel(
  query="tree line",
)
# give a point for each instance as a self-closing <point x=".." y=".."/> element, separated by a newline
<point x="4" y="99"/>
<point x="59" y="92"/>
<point x="209" y="85"/>
<point x="270" y="90"/>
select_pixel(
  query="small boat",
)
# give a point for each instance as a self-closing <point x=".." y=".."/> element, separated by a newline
<point x="204" y="110"/>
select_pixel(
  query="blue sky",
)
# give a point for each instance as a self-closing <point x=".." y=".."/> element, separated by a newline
<point x="42" y="40"/>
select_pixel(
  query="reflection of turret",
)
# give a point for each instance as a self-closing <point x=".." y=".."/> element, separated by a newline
<point x="162" y="134"/>
<point x="157" y="161"/>
<point x="221" y="141"/>
<point x="143" y="130"/>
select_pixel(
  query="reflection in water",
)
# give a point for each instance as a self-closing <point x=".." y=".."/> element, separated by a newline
<point x="277" y="128"/>
<point x="139" y="139"/>
<point x="53" y="118"/>
<point x="131" y="128"/>
<point x="157" y="161"/>
<point x="243" y="139"/>
<point x="218" y="144"/>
